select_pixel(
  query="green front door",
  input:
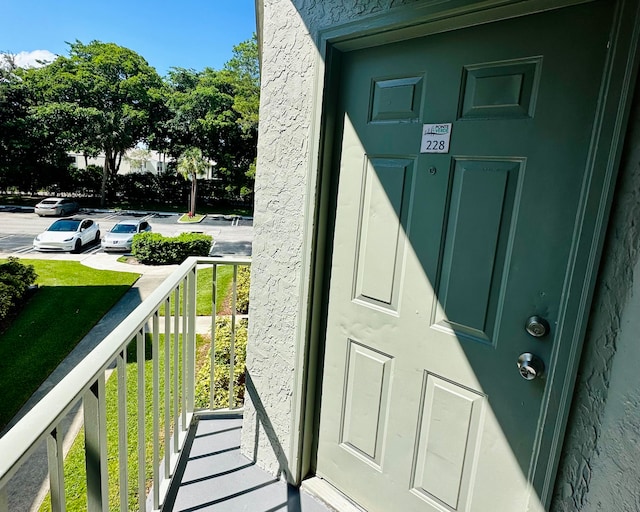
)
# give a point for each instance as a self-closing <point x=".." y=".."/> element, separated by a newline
<point x="438" y="259"/>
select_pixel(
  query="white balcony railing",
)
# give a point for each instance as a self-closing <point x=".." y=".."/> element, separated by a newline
<point x="172" y="385"/>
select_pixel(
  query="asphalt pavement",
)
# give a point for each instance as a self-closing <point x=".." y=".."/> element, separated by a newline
<point x="232" y="234"/>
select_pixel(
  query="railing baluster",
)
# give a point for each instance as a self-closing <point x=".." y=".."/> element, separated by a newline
<point x="214" y="313"/>
<point x="167" y="388"/>
<point x="176" y="369"/>
<point x="55" y="458"/>
<point x="184" y="356"/>
<point x="123" y="451"/>
<point x="191" y="352"/>
<point x="232" y="344"/>
<point x="95" y="433"/>
<point x="4" y="502"/>
<point x="140" y="354"/>
<point x="155" y="358"/>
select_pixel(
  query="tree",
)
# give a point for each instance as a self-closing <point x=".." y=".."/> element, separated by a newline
<point x="101" y="98"/>
<point x="8" y="66"/>
<point x="217" y="112"/>
<point x="14" y="113"/>
<point x="192" y="164"/>
<point x="244" y="70"/>
<point x="31" y="155"/>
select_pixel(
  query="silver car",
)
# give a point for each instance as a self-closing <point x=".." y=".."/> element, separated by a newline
<point x="56" y="206"/>
<point x="121" y="235"/>
<point x="67" y="235"/>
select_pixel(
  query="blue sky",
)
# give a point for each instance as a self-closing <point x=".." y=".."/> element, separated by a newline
<point x="180" y="33"/>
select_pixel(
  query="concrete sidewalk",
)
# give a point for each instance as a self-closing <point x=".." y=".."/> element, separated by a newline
<point x="30" y="484"/>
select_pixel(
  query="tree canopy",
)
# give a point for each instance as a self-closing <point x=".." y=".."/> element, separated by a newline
<point x="31" y="154"/>
<point x="99" y="98"/>
<point x="215" y="111"/>
<point x="104" y="99"/>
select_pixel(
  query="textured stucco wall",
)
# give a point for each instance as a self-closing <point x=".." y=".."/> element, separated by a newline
<point x="283" y="173"/>
<point x="283" y="150"/>
<point x="615" y="476"/>
<point x="605" y="412"/>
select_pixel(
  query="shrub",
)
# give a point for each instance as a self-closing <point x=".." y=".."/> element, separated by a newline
<point x="146" y="187"/>
<point x="87" y="181"/>
<point x="242" y="299"/>
<point x="221" y="369"/>
<point x="155" y="249"/>
<point x="6" y="300"/>
<point x="15" y="279"/>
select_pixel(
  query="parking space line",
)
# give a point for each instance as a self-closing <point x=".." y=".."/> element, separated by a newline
<point x="91" y="249"/>
<point x="23" y="250"/>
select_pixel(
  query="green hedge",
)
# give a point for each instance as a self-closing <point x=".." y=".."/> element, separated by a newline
<point x="221" y="369"/>
<point x="242" y="299"/>
<point x="155" y="249"/>
<point x="15" y="279"/>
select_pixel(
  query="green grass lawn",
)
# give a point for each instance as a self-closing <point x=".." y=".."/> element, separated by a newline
<point x="193" y="219"/>
<point x="71" y="299"/>
<point x="204" y="289"/>
<point x="50" y="325"/>
<point x="74" y="464"/>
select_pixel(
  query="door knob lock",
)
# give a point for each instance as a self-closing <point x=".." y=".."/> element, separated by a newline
<point x="537" y="326"/>
<point x="530" y="366"/>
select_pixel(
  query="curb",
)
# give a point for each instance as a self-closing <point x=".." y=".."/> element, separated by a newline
<point x="180" y="221"/>
<point x="10" y="208"/>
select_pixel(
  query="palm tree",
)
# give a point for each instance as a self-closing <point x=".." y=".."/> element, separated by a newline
<point x="192" y="164"/>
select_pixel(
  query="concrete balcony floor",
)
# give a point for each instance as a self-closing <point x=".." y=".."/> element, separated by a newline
<point x="214" y="475"/>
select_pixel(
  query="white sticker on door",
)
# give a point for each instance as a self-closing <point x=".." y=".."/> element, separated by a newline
<point x="435" y="138"/>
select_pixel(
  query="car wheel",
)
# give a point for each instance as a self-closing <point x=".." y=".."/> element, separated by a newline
<point x="77" y="247"/>
<point x="97" y="238"/>
<point x="62" y="212"/>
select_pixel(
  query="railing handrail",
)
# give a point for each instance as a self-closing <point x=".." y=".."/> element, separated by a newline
<point x="36" y="424"/>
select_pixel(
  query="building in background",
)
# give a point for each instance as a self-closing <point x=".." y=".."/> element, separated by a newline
<point x="137" y="160"/>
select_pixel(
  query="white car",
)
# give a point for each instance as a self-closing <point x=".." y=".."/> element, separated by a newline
<point x="56" y="206"/>
<point x="67" y="235"/>
<point x="121" y="235"/>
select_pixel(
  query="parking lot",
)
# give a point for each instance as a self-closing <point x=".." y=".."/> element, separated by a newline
<point x="232" y="235"/>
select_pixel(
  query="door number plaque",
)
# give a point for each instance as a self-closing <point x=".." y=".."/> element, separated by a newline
<point x="435" y="138"/>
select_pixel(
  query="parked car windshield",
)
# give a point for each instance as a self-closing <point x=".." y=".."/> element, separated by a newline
<point x="64" y="225"/>
<point x="49" y="201"/>
<point x="124" y="228"/>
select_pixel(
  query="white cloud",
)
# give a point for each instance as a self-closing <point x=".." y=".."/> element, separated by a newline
<point x="30" y="59"/>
